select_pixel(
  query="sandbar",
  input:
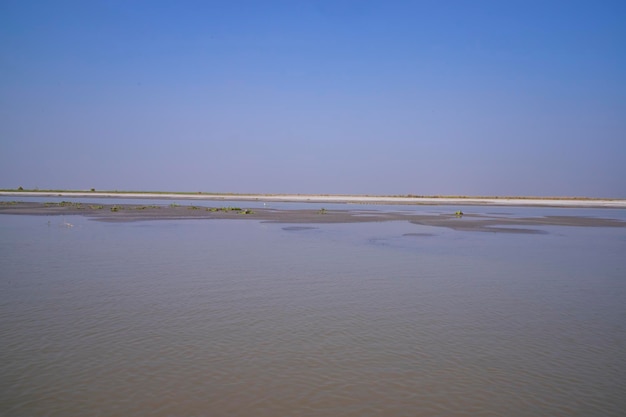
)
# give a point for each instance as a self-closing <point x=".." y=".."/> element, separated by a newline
<point x="468" y="222"/>
<point x="355" y="199"/>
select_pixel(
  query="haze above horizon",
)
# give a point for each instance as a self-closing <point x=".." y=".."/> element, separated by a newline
<point x="315" y="97"/>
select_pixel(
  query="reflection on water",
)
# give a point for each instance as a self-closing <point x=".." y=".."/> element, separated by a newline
<point x="241" y="318"/>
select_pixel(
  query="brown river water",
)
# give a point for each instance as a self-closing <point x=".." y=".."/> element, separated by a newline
<point x="244" y="318"/>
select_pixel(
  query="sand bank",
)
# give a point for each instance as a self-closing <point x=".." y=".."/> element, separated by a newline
<point x="356" y="199"/>
<point x="467" y="222"/>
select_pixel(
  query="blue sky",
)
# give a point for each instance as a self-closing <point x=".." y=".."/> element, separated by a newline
<point x="355" y="97"/>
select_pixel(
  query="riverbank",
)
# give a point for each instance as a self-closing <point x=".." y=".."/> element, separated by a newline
<point x="354" y="199"/>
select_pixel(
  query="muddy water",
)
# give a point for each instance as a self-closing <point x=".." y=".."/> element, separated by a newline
<point x="241" y="318"/>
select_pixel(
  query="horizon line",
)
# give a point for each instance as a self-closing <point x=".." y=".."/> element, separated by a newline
<point x="95" y="192"/>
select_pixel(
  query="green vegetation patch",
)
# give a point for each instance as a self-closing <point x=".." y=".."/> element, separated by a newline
<point x="237" y="210"/>
<point x="76" y="205"/>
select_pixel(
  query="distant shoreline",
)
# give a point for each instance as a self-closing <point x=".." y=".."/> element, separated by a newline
<point x="579" y="202"/>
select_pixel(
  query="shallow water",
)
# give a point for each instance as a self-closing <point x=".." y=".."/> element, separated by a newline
<point x="242" y="318"/>
<point x="365" y="208"/>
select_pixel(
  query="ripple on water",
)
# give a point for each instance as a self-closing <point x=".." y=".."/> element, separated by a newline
<point x="239" y="319"/>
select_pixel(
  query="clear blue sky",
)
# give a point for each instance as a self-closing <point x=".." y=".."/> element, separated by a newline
<point x="358" y="97"/>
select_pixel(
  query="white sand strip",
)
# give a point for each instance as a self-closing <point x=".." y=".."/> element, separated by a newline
<point x="547" y="202"/>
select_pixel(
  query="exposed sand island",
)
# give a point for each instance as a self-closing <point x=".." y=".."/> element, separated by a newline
<point x="317" y="198"/>
<point x="466" y="222"/>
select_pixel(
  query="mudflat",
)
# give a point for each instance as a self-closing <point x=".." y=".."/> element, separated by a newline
<point x="467" y="222"/>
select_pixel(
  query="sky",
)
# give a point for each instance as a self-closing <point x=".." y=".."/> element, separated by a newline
<point x="480" y="98"/>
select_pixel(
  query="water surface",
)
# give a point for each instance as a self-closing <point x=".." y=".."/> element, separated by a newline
<point x="241" y="318"/>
